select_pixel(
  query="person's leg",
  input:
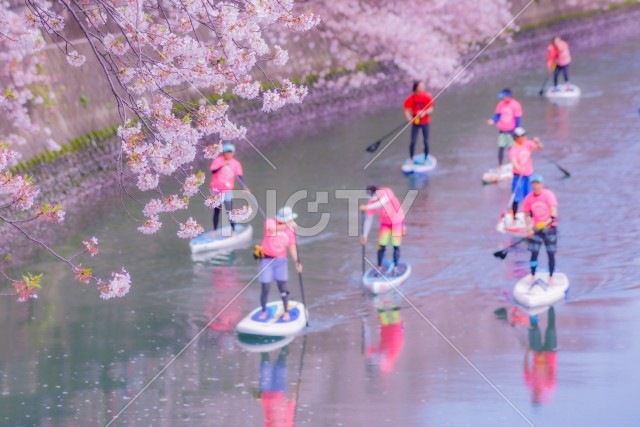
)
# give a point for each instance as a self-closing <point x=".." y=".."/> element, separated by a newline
<point x="556" y="73"/>
<point x="550" y="242"/>
<point x="264" y="295"/>
<point x="501" y="155"/>
<point x="381" y="251"/>
<point x="265" y="278"/>
<point x="516" y="184"/>
<point x="228" y="206"/>
<point x="396" y="255"/>
<point x="216" y="217"/>
<point x="414" y="138"/>
<point x="514" y="207"/>
<point x="565" y="73"/>
<point x="533" y="263"/>
<point x="425" y="134"/>
<point x="281" y="274"/>
<point x="284" y="294"/>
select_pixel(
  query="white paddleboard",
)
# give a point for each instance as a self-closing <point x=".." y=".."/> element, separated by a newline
<point x="513" y="226"/>
<point x="260" y="344"/>
<point x="273" y="325"/>
<point x="381" y="283"/>
<point x="564" y="91"/>
<point x="540" y="293"/>
<point x="221" y="239"/>
<point x="493" y="176"/>
<point x="419" y="165"/>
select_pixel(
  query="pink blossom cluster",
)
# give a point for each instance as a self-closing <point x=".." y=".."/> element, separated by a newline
<point x="118" y="286"/>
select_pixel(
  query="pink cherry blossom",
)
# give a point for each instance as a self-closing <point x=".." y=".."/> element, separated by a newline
<point x="241" y="214"/>
<point x="91" y="246"/>
<point x="151" y="225"/>
<point x="118" y="286"/>
<point x="190" y="229"/>
<point x="76" y="59"/>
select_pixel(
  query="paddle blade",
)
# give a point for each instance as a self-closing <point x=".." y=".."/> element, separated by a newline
<point x="373" y="147"/>
<point x="501" y="254"/>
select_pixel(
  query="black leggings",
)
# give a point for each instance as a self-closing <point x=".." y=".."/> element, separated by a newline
<point x="284" y="293"/>
<point x="396" y="254"/>
<point x="415" y="129"/>
<point x="501" y="154"/>
<point x="228" y="205"/>
<point x="556" y="74"/>
<point x="534" y="262"/>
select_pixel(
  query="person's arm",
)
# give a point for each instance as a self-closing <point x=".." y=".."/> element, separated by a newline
<point x="408" y="113"/>
<point x="376" y="205"/>
<point x="539" y="145"/>
<point x="494" y="120"/>
<point x="518" y="121"/>
<point x="293" y="251"/>
<point x="366" y="228"/>
<point x="213" y="171"/>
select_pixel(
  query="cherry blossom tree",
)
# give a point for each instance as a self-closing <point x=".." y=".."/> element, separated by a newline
<point x="155" y="56"/>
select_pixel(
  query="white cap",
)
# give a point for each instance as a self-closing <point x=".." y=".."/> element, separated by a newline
<point x="519" y="131"/>
<point x="286" y="214"/>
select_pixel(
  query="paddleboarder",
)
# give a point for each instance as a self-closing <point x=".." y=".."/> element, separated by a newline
<point x="520" y="157"/>
<point x="279" y="236"/>
<point x="225" y="169"/>
<point x="385" y="203"/>
<point x="558" y="60"/>
<point x="417" y="109"/>
<point x="506" y="119"/>
<point x="541" y="212"/>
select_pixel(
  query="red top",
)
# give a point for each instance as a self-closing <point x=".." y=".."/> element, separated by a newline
<point x="418" y="102"/>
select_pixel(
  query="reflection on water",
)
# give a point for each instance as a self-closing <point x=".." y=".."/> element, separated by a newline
<point x="540" y="360"/>
<point x="70" y="359"/>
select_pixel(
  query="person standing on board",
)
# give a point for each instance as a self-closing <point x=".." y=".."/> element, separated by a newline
<point x="558" y="60"/>
<point x="225" y="169"/>
<point x="520" y="157"/>
<point x="541" y="210"/>
<point x="507" y="117"/>
<point x="279" y="236"/>
<point x="385" y="203"/>
<point x="417" y="109"/>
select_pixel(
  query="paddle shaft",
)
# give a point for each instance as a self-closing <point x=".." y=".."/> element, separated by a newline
<point x="563" y="170"/>
<point x="304" y="302"/>
<point x="244" y="185"/>
<point x="373" y="147"/>
<point x="362" y="215"/>
<point x="546" y="79"/>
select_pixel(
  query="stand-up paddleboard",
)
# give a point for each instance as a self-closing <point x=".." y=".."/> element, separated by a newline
<point x="379" y="283"/>
<point x="262" y="344"/>
<point x="539" y="292"/>
<point x="493" y="175"/>
<point x="507" y="224"/>
<point x="221" y="239"/>
<point x="273" y="325"/>
<point x="419" y="164"/>
<point x="564" y="91"/>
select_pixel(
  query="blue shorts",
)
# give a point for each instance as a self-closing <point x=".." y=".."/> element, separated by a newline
<point x="523" y="187"/>
<point x="274" y="268"/>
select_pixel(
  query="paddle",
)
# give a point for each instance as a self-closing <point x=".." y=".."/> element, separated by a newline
<point x="503" y="253"/>
<point x="563" y="170"/>
<point x="546" y="79"/>
<point x="306" y="310"/>
<point x="362" y="215"/>
<point x="373" y="147"/>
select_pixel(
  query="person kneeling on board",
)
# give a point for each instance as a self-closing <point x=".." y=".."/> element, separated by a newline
<point x="541" y="210"/>
<point x="225" y="169"/>
<point x="392" y="228"/>
<point x="520" y="156"/>
<point x="279" y="235"/>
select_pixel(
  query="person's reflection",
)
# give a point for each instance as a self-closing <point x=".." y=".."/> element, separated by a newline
<point x="224" y="287"/>
<point x="391" y="342"/>
<point x="279" y="411"/>
<point x="540" y="365"/>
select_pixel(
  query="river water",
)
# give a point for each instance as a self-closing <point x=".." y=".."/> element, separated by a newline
<point x="439" y="356"/>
